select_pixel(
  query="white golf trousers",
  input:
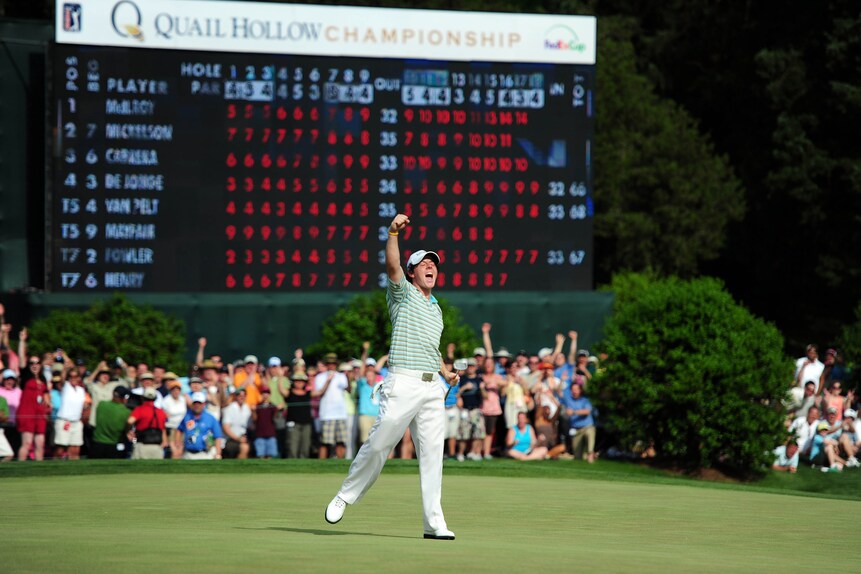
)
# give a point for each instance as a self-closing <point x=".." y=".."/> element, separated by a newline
<point x="405" y="401"/>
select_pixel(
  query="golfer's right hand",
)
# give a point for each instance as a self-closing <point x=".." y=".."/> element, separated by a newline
<point x="399" y="222"/>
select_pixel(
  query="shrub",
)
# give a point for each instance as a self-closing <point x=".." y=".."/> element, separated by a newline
<point x="849" y="343"/>
<point x="694" y="373"/>
<point x="366" y="318"/>
<point x="112" y="328"/>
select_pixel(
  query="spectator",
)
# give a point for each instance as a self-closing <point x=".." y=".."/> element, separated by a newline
<point x="201" y="433"/>
<point x="452" y="414"/>
<point x="32" y="415"/>
<point x="330" y="385"/>
<point x="299" y="420"/>
<point x="265" y="443"/>
<point x="279" y="383"/>
<point x="564" y="370"/>
<point x="369" y="401"/>
<point x="149" y="427"/>
<point x="786" y="457"/>
<point x="832" y="417"/>
<point x="798" y="407"/>
<point x="69" y="426"/>
<point x="517" y="400"/>
<point x="147" y="381"/>
<point x="6" y="451"/>
<point x="833" y="369"/>
<point x="547" y="429"/>
<point x="521" y="441"/>
<point x="159" y="380"/>
<point x="581" y="423"/>
<point x="163" y="388"/>
<point x="249" y="378"/>
<point x="833" y="399"/>
<point x="109" y="435"/>
<point x="351" y="370"/>
<point x="175" y="407"/>
<point x="804" y="429"/>
<point x="809" y="367"/>
<point x="234" y="424"/>
<point x="11" y="393"/>
<point x="491" y="407"/>
<point x="823" y="451"/>
<point x="472" y="430"/>
<point x="848" y="439"/>
<point x="101" y="388"/>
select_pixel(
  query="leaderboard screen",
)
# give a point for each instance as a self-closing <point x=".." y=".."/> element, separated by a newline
<point x="216" y="168"/>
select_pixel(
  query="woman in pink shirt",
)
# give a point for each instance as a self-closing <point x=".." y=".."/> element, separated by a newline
<point x="491" y="407"/>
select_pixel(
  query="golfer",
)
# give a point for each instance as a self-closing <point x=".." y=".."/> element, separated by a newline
<point x="413" y="393"/>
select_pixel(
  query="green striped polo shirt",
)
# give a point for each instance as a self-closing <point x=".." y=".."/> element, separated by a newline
<point x="416" y="328"/>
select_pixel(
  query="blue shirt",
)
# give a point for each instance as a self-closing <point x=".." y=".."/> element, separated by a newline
<point x="579" y="421"/>
<point x="367" y="406"/>
<point x="451" y="399"/>
<point x="56" y="401"/>
<point x="816" y="446"/>
<point x="199" y="431"/>
<point x="564" y="374"/>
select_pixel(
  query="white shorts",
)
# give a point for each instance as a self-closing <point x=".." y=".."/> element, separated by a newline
<point x="452" y="421"/>
<point x="5" y="447"/>
<point x="202" y="455"/>
<point x="68" y="433"/>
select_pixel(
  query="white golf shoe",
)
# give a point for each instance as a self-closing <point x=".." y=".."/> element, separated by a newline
<point x="441" y="534"/>
<point x="335" y="510"/>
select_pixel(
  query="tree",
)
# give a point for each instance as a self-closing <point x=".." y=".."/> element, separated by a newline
<point x="663" y="197"/>
<point x="693" y="373"/>
<point x="366" y="318"/>
<point x="112" y="328"/>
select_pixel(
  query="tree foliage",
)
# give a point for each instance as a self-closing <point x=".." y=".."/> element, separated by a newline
<point x="663" y="197"/>
<point x="111" y="328"/>
<point x="366" y="318"/>
<point x="693" y="373"/>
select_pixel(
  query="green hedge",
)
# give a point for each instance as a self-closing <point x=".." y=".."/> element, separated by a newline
<point x="694" y="373"/>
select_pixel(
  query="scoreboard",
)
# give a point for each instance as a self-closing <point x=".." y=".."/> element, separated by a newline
<point x="258" y="150"/>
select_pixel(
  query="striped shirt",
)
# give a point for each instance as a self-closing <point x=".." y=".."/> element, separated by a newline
<point x="416" y="328"/>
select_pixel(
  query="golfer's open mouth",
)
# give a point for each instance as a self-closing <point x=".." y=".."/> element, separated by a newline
<point x="429" y="275"/>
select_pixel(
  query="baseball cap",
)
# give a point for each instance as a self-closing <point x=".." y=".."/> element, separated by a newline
<point x="582" y="353"/>
<point x="146" y="376"/>
<point x="150" y="394"/>
<point x="417" y="257"/>
<point x="9" y="374"/>
<point x="195" y="380"/>
<point x="299" y="376"/>
<point x="121" y="391"/>
<point x="471" y="362"/>
<point x="503" y="353"/>
<point x="250" y="359"/>
<point x="355" y="364"/>
<point x="57" y="368"/>
<point x="198" y="397"/>
<point x="545" y="352"/>
<point x="370" y="362"/>
<point x="274" y="362"/>
<point x="832" y="410"/>
<point x="480" y="351"/>
<point x="822" y="426"/>
<point x="850" y="413"/>
<point x="170" y="376"/>
<point x="343" y="367"/>
<point x="330" y="358"/>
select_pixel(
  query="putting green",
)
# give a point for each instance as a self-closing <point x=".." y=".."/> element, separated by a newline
<point x="274" y="522"/>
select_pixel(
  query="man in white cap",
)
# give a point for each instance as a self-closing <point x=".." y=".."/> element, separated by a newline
<point x="412" y="395"/>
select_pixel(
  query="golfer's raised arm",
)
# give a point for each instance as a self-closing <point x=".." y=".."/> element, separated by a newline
<point x="393" y="252"/>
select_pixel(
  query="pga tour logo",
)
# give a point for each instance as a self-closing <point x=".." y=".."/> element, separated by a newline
<point x="72" y="17"/>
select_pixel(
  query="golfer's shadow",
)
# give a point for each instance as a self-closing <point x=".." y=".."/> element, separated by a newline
<point x="319" y="532"/>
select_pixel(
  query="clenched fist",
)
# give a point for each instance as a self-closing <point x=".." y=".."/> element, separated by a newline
<point x="399" y="222"/>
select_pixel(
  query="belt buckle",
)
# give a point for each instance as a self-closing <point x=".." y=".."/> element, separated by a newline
<point x="427" y="377"/>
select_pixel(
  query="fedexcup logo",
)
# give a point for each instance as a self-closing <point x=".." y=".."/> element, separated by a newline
<point x="126" y="19"/>
<point x="561" y="37"/>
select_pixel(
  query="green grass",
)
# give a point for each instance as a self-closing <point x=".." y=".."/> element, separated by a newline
<point x="263" y="516"/>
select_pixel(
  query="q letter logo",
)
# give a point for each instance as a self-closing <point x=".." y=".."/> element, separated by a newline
<point x="126" y="19"/>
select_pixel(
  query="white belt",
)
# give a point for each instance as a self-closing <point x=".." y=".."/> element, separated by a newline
<point x="422" y="375"/>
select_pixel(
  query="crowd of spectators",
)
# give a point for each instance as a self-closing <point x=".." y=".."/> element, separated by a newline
<point x="527" y="406"/>
<point x="822" y="420"/>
